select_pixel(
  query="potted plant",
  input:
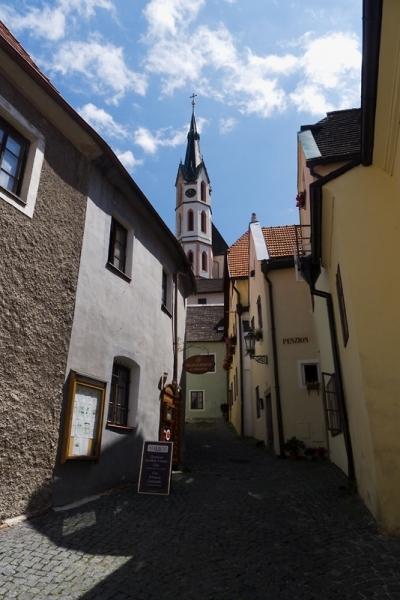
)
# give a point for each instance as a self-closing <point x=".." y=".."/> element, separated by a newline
<point x="294" y="447"/>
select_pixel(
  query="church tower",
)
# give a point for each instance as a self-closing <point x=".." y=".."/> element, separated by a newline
<point x="193" y="206"/>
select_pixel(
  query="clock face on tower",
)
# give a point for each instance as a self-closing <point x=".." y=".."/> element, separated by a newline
<point x="190" y="192"/>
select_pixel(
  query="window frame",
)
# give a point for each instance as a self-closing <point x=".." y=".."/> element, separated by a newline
<point x="203" y="191"/>
<point x="190" y="257"/>
<point x="204" y="261"/>
<point x="259" y="313"/>
<point x="333" y="414"/>
<point x="10" y="131"/>
<point x="112" y="406"/>
<point x="25" y="200"/>
<point x="302" y="374"/>
<point x="202" y="392"/>
<point x="114" y="225"/>
<point x="203" y="221"/>
<point x="190" y="220"/>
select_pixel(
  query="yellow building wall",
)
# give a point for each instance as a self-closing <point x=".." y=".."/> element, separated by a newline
<point x="364" y="233"/>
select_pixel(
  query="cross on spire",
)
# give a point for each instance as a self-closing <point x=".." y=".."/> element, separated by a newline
<point x="193" y="96"/>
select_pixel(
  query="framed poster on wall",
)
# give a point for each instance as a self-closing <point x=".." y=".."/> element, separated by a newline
<point x="84" y="418"/>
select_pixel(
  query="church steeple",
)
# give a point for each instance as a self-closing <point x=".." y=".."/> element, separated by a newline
<point x="193" y="205"/>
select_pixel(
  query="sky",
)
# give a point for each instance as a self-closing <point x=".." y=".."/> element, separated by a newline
<point x="260" y="69"/>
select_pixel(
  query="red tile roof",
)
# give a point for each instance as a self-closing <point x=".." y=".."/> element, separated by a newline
<point x="7" y="36"/>
<point x="280" y="243"/>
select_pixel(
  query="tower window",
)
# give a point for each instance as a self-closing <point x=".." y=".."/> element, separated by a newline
<point x="203" y="192"/>
<point x="190" y="257"/>
<point x="190" y="220"/>
<point x="179" y="224"/>
<point x="204" y="261"/>
<point x="203" y="222"/>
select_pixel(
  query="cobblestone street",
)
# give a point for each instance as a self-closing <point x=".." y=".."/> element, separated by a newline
<point x="238" y="525"/>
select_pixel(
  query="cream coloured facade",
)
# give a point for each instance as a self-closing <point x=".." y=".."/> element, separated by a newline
<point x="272" y="397"/>
<point x="355" y="219"/>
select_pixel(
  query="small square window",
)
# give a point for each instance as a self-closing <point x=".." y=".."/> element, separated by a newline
<point x="202" y="301"/>
<point x="309" y="375"/>
<point x="197" y="400"/>
<point x="118" y="246"/>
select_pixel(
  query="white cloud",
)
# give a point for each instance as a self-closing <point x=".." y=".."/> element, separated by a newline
<point x="102" y="121"/>
<point x="128" y="159"/>
<point x="50" y="20"/>
<point x="330" y="74"/>
<point x="166" y="137"/>
<point x="169" y="16"/>
<point x="321" y="73"/>
<point x="227" y="125"/>
<point x="102" y="65"/>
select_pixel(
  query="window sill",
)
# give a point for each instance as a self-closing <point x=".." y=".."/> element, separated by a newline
<point x="120" y="428"/>
<point x="165" y="309"/>
<point x="12" y="196"/>
<point x="116" y="271"/>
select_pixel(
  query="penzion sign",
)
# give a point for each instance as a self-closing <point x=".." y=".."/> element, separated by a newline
<point x="199" y="364"/>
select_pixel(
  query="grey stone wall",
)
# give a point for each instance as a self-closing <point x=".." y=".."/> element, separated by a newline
<point x="39" y="262"/>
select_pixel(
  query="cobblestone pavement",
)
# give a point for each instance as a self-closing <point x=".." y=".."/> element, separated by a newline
<point x="238" y="525"/>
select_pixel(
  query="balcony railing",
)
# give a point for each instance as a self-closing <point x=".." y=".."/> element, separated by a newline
<point x="302" y="248"/>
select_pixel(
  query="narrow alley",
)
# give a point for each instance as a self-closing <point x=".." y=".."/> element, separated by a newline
<point x="239" y="525"/>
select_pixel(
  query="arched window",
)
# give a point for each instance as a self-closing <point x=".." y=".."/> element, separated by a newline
<point x="204" y="261"/>
<point x="203" y="222"/>
<point x="179" y="224"/>
<point x="190" y="220"/>
<point x="203" y="191"/>
<point x="190" y="257"/>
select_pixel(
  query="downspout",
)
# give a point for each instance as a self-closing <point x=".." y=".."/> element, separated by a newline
<point x="281" y="436"/>
<point x="239" y="312"/>
<point x="338" y="370"/>
<point x="175" y="366"/>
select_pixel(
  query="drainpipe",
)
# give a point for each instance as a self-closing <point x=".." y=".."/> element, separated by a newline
<point x="239" y="312"/>
<point x="281" y="436"/>
<point x="175" y="367"/>
<point x="336" y="362"/>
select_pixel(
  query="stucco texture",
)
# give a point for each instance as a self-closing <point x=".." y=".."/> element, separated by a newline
<point x="38" y="277"/>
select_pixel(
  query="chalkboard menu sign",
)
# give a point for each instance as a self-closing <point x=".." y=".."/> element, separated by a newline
<point x="155" y="468"/>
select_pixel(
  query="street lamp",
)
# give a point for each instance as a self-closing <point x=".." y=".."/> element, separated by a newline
<point x="250" y="343"/>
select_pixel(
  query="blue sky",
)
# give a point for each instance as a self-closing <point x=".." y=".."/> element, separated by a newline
<point x="261" y="68"/>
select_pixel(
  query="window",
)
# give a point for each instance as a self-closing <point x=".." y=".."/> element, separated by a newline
<point x="203" y="191"/>
<point x="204" y="261"/>
<point x="13" y="151"/>
<point x="179" y="224"/>
<point x="21" y="159"/>
<point x="309" y="375"/>
<point x="197" y="400"/>
<point x="202" y="301"/>
<point x="259" y="312"/>
<point x="203" y="222"/>
<point x="164" y="289"/>
<point x="190" y="257"/>
<point x="119" y="396"/>
<point x="118" y="243"/>
<point x="342" y="307"/>
<point x="259" y="402"/>
<point x="190" y="220"/>
<point x="331" y="402"/>
<point x="246" y="326"/>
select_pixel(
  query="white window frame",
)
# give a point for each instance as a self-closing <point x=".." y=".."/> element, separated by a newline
<point x="301" y="373"/>
<point x="26" y="200"/>
<point x="190" y="401"/>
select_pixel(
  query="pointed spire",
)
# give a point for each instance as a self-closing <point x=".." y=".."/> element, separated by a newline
<point x="193" y="154"/>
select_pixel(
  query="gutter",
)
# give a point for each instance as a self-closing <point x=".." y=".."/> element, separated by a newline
<point x="266" y="266"/>
<point x="239" y="312"/>
<point x="372" y="22"/>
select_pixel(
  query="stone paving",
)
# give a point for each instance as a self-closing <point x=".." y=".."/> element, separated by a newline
<point x="238" y="525"/>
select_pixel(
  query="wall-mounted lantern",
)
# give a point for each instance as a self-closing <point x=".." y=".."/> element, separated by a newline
<point x="250" y="343"/>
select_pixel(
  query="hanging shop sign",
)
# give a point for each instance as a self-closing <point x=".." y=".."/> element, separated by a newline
<point x="155" y="468"/>
<point x="199" y="364"/>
